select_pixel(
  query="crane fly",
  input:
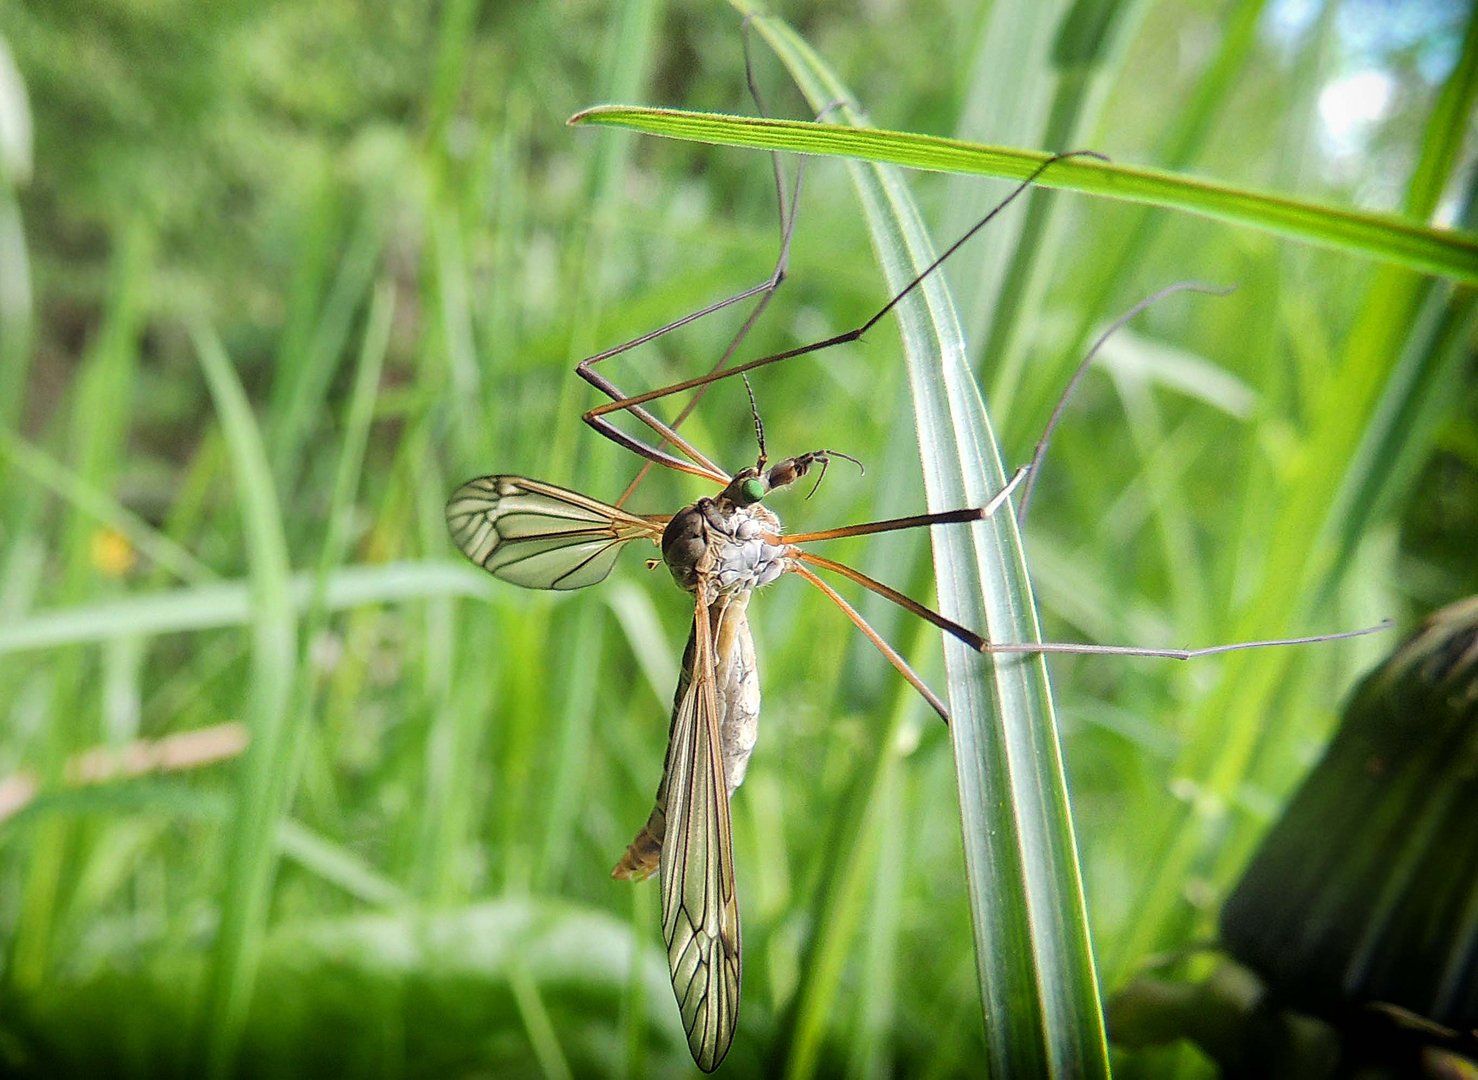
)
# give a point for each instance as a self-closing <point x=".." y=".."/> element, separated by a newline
<point x="719" y="550"/>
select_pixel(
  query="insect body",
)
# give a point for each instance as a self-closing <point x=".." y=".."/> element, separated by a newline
<point x="720" y="549"/>
<point x="726" y="549"/>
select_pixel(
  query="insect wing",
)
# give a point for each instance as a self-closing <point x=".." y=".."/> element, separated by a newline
<point x="700" y="912"/>
<point x="540" y="536"/>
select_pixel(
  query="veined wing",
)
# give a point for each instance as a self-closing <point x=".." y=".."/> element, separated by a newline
<point x="540" y="536"/>
<point x="700" y="912"/>
<point x="736" y="688"/>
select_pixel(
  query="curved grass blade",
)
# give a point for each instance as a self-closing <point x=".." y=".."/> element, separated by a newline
<point x="1393" y="239"/>
<point x="1035" y="965"/>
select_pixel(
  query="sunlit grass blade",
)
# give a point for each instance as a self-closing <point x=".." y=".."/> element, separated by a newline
<point x="1379" y="236"/>
<point x="1034" y="963"/>
<point x="1087" y="54"/>
<point x="1002" y="107"/>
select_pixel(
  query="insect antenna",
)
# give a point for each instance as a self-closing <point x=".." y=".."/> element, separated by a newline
<point x="759" y="428"/>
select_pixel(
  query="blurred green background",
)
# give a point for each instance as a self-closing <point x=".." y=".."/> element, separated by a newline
<point x="275" y="277"/>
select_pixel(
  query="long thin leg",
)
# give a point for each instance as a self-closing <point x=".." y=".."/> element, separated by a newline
<point x="982" y="645"/>
<point x="1183" y="654"/>
<point x="908" y="603"/>
<point x="877" y="639"/>
<point x="978" y="643"/>
<point x="698" y="464"/>
<point x="944" y="517"/>
<point x="596" y="417"/>
<point x="787" y="215"/>
<point x="1040" y="451"/>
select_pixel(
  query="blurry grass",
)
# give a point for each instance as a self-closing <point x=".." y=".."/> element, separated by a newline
<point x="269" y="770"/>
<point x="461" y="753"/>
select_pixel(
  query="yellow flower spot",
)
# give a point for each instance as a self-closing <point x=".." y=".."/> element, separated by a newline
<point x="112" y="554"/>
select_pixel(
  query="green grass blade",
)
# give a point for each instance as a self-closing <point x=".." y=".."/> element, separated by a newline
<point x="338" y="865"/>
<point x="307" y="378"/>
<point x="229" y="603"/>
<point x="1087" y="54"/>
<point x="855" y="853"/>
<point x="263" y="786"/>
<point x="535" y="1015"/>
<point x="1379" y="236"/>
<point x="1445" y="130"/>
<point x="1035" y="966"/>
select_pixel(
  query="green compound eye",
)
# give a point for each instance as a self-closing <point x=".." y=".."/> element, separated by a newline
<point x="754" y="489"/>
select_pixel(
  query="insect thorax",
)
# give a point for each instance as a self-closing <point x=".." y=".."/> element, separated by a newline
<point x="725" y="545"/>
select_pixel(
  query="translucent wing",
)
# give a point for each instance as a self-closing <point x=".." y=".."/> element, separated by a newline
<point x="736" y="688"/>
<point x="700" y="912"/>
<point x="541" y="536"/>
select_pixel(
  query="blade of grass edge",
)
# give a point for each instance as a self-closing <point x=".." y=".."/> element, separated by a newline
<point x="1449" y="252"/>
<point x="1034" y="962"/>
